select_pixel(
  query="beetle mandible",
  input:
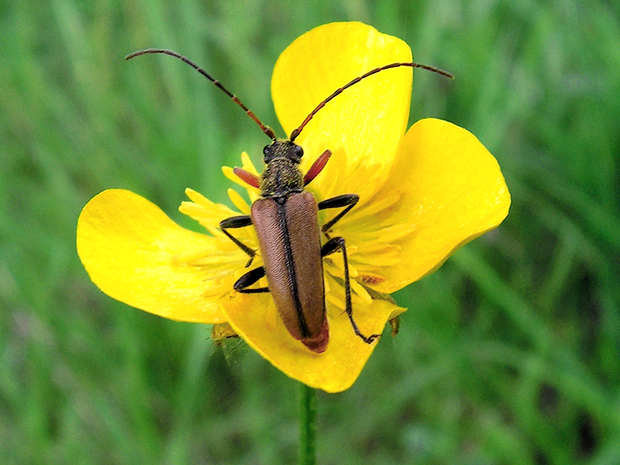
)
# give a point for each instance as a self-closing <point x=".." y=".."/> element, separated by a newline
<point x="285" y="218"/>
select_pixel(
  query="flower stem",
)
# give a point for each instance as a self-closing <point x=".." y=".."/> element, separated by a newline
<point x="307" y="425"/>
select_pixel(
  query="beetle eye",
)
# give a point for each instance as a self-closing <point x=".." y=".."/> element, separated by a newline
<point x="299" y="151"/>
<point x="266" y="149"/>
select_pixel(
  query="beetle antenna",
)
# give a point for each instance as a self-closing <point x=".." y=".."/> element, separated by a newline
<point x="297" y="131"/>
<point x="266" y="129"/>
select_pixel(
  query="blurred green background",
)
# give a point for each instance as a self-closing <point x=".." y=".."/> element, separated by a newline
<point x="509" y="354"/>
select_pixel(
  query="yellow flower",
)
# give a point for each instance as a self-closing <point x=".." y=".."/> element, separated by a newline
<point x="423" y="193"/>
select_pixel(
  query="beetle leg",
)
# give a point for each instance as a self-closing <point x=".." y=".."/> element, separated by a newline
<point x="345" y="200"/>
<point x="238" y="222"/>
<point x="247" y="177"/>
<point x="317" y="167"/>
<point x="331" y="246"/>
<point x="250" y="278"/>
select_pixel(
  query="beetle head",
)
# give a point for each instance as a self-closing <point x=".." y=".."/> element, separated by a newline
<point x="283" y="149"/>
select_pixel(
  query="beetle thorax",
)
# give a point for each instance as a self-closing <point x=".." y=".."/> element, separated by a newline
<point x="281" y="176"/>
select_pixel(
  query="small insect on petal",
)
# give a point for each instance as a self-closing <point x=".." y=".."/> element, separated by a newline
<point x="369" y="279"/>
<point x="222" y="331"/>
<point x="395" y="324"/>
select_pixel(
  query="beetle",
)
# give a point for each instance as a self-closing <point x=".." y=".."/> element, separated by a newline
<point x="285" y="218"/>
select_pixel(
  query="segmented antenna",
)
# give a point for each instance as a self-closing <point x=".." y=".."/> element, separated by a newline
<point x="266" y="129"/>
<point x="297" y="131"/>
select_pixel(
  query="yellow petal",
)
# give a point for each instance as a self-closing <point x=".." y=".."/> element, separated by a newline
<point x="452" y="191"/>
<point x="366" y="121"/>
<point x="131" y="251"/>
<point x="255" y="319"/>
<point x="207" y="213"/>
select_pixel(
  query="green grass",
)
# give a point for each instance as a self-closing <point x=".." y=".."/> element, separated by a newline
<point x="509" y="354"/>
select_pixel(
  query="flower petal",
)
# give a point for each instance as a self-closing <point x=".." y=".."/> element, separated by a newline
<point x="367" y="120"/>
<point x="132" y="252"/>
<point x="452" y="191"/>
<point x="254" y="317"/>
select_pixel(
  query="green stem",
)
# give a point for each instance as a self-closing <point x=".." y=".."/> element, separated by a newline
<point x="307" y="425"/>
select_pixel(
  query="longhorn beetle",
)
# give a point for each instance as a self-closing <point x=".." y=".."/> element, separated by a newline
<point x="287" y="227"/>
